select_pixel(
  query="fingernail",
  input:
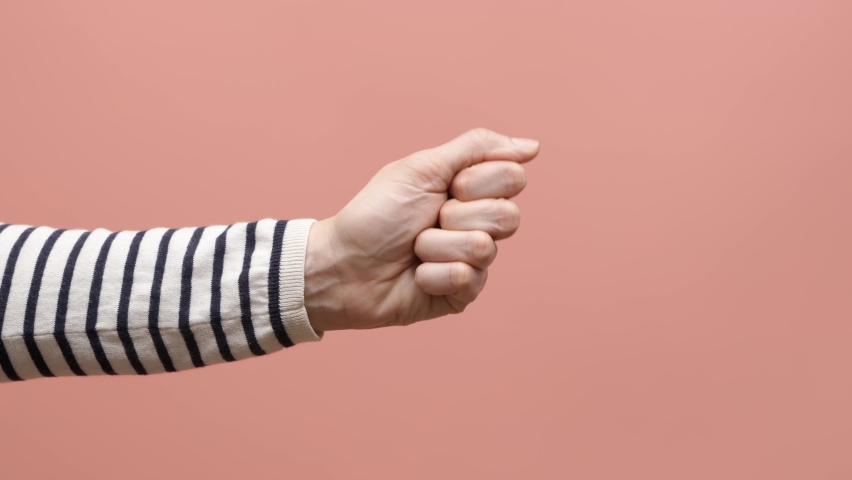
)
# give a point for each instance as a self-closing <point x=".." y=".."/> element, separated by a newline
<point x="525" y="143"/>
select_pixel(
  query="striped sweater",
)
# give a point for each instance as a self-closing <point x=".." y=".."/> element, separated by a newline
<point x="76" y="302"/>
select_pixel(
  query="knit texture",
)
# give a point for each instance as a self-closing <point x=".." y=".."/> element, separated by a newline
<point x="76" y="302"/>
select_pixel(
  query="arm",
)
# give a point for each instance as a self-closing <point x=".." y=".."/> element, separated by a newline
<point x="413" y="245"/>
<point x="99" y="302"/>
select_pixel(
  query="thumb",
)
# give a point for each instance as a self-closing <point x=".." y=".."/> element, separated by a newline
<point x="476" y="146"/>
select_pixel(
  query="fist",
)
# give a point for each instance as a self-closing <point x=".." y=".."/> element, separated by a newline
<point x="416" y="242"/>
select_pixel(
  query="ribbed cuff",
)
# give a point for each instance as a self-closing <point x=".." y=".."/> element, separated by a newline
<point x="292" y="275"/>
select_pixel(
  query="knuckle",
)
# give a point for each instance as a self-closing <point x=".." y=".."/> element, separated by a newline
<point x="460" y="276"/>
<point x="481" y="137"/>
<point x="418" y="243"/>
<point x="481" y="284"/>
<point x="444" y="213"/>
<point x="508" y="217"/>
<point x="461" y="186"/>
<point x="420" y="277"/>
<point x="442" y="218"/>
<point x="515" y="178"/>
<point x="480" y="133"/>
<point x="480" y="246"/>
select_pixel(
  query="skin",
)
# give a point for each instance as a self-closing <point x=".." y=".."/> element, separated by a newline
<point x="416" y="242"/>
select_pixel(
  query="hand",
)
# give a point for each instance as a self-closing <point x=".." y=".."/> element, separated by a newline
<point x="381" y="261"/>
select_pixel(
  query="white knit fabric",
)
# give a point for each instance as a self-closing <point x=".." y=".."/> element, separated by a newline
<point x="293" y="282"/>
<point x="89" y="303"/>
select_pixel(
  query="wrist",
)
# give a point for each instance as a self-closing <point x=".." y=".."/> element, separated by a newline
<point x="324" y="309"/>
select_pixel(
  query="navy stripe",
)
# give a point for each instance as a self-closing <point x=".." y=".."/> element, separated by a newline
<point x="274" y="285"/>
<point x="186" y="296"/>
<point x="216" y="297"/>
<point x="62" y="307"/>
<point x="245" y="298"/>
<point x="32" y="303"/>
<point x="154" y="307"/>
<point x="5" y="288"/>
<point x="124" y="305"/>
<point x="94" y="303"/>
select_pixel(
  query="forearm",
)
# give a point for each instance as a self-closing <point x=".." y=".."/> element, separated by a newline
<point x="98" y="302"/>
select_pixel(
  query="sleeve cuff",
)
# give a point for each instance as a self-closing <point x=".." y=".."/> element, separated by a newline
<point x="292" y="278"/>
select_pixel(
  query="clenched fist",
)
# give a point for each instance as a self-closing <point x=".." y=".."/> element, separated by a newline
<point x="417" y="241"/>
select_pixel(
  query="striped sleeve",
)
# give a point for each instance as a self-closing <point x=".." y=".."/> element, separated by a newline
<point x="76" y="302"/>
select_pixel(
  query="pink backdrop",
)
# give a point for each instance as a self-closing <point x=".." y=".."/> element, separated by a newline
<point x="676" y="305"/>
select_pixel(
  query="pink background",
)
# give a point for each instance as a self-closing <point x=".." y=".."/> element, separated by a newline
<point x="676" y="305"/>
